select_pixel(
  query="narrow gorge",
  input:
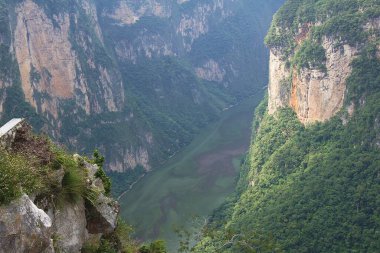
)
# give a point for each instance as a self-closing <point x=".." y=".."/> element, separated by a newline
<point x="220" y="126"/>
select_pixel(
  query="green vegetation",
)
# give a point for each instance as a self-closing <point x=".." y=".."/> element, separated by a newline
<point x="154" y="247"/>
<point x="34" y="166"/>
<point x="74" y="185"/>
<point x="121" y="241"/>
<point x="193" y="182"/>
<point x="310" y="55"/>
<point x="17" y="177"/>
<point x="342" y="20"/>
<point x="99" y="160"/>
<point x="311" y="188"/>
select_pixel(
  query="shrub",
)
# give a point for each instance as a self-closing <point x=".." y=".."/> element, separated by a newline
<point x="73" y="182"/>
<point x="157" y="246"/>
<point x="123" y="233"/>
<point x="17" y="176"/>
<point x="118" y="241"/>
<point x="310" y="55"/>
<point x="99" y="160"/>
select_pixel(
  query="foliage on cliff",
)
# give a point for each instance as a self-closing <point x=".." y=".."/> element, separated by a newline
<point x="311" y="188"/>
<point x="34" y="165"/>
<point x="342" y="20"/>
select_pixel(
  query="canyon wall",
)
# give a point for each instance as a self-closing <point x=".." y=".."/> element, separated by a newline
<point x="135" y="79"/>
<point x="315" y="92"/>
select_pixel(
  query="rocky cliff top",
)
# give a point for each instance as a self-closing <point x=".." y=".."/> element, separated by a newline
<point x="313" y="45"/>
<point x="50" y="201"/>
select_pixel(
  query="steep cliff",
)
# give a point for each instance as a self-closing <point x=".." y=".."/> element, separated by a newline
<point x="136" y="79"/>
<point x="311" y="56"/>
<point x="311" y="177"/>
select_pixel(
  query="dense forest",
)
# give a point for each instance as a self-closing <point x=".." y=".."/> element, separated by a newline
<point x="311" y="188"/>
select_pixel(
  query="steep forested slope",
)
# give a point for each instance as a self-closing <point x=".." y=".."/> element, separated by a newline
<point x="312" y="187"/>
<point x="137" y="79"/>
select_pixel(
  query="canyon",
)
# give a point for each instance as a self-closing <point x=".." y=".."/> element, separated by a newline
<point x="136" y="80"/>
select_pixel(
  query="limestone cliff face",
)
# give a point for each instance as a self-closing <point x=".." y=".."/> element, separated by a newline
<point x="65" y="73"/>
<point x="196" y="23"/>
<point x="211" y="71"/>
<point x="46" y="61"/>
<point x="128" y="12"/>
<point x="130" y="158"/>
<point x="183" y="26"/>
<point x="50" y="70"/>
<point x="315" y="94"/>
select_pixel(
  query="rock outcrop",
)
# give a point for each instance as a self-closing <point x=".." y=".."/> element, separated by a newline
<point x="50" y="69"/>
<point x="315" y="95"/>
<point x="211" y="71"/>
<point x="24" y="227"/>
<point x="311" y="61"/>
<point x="36" y="223"/>
<point x="318" y="95"/>
<point x="46" y="60"/>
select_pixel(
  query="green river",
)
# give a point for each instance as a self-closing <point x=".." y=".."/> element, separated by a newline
<point x="192" y="183"/>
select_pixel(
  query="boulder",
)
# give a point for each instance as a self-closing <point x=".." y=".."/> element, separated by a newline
<point x="24" y="227"/>
<point x="70" y="227"/>
<point x="102" y="215"/>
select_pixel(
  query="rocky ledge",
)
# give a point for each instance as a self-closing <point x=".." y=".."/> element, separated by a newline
<point x="36" y="223"/>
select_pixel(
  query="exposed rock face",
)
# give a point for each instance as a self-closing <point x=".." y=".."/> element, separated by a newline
<point x="24" y="227"/>
<point x="91" y="11"/>
<point x="185" y="27"/>
<point x="50" y="69"/>
<point x="129" y="11"/>
<point x="46" y="60"/>
<point x="315" y="95"/>
<point x="102" y="215"/>
<point x="130" y="158"/>
<point x="278" y="88"/>
<point x="196" y="23"/>
<point x="70" y="226"/>
<point x="211" y="71"/>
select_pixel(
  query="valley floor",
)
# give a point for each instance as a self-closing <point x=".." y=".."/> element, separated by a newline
<point x="194" y="182"/>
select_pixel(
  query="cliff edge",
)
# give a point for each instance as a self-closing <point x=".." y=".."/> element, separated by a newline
<point x="311" y="55"/>
<point x="50" y="201"/>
